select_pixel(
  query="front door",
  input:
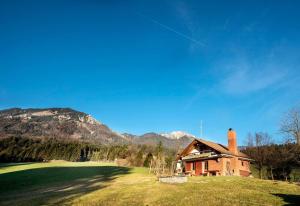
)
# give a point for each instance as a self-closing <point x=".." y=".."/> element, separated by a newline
<point x="198" y="168"/>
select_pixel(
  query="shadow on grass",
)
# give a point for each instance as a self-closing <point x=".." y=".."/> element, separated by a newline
<point x="2" y="165"/>
<point x="54" y="185"/>
<point x="289" y="199"/>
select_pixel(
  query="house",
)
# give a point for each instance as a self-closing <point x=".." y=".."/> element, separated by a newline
<point x="207" y="158"/>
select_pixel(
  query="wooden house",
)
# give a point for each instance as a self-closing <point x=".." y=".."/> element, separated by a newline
<point x="207" y="158"/>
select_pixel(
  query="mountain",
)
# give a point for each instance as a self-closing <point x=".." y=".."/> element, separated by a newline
<point x="69" y="124"/>
<point x="60" y="123"/>
<point x="154" y="139"/>
<point x="177" y="135"/>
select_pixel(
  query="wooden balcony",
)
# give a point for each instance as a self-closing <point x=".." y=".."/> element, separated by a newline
<point x="199" y="156"/>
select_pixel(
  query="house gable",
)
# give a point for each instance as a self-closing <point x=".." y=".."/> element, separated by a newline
<point x="206" y="146"/>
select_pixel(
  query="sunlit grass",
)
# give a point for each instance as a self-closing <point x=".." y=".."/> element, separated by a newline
<point x="91" y="183"/>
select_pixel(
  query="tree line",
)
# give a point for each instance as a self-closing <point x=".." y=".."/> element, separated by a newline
<point x="277" y="161"/>
<point x="273" y="161"/>
<point x="23" y="149"/>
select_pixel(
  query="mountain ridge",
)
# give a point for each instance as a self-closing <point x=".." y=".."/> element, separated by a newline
<point x="70" y="124"/>
<point x="60" y="123"/>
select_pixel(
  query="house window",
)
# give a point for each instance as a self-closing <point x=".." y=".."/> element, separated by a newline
<point x="193" y="165"/>
<point x="206" y="165"/>
<point x="242" y="163"/>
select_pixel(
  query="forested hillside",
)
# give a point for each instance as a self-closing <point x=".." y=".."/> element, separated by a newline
<point x="67" y="124"/>
<point x="22" y="149"/>
<point x="59" y="123"/>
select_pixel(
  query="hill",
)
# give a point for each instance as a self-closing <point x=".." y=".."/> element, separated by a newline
<point x="69" y="124"/>
<point x="59" y="123"/>
<point x="154" y="139"/>
<point x="91" y="183"/>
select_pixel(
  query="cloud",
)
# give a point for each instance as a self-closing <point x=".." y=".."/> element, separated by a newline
<point x="186" y="15"/>
<point x="244" y="71"/>
<point x="240" y="73"/>
<point x="188" y="19"/>
<point x="170" y="29"/>
<point x="245" y="78"/>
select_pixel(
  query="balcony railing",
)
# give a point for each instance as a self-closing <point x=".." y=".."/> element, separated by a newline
<point x="198" y="155"/>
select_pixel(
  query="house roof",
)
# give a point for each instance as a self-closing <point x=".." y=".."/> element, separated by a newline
<point x="218" y="147"/>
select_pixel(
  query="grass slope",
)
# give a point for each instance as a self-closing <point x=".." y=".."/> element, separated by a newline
<point x="89" y="183"/>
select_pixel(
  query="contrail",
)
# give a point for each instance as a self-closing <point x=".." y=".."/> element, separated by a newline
<point x="172" y="30"/>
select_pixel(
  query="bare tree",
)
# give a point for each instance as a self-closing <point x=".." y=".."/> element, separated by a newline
<point x="281" y="159"/>
<point x="290" y="125"/>
<point x="257" y="149"/>
<point x="249" y="140"/>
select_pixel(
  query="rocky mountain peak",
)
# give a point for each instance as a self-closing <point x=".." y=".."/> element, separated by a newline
<point x="62" y="123"/>
<point x="69" y="124"/>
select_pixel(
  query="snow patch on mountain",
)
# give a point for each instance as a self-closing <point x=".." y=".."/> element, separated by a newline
<point x="177" y="135"/>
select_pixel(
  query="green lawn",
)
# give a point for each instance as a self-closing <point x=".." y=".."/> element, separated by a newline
<point x="89" y="183"/>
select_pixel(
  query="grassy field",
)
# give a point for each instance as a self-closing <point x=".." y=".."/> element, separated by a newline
<point x="89" y="183"/>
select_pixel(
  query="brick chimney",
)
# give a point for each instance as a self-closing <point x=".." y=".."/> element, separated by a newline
<point x="232" y="146"/>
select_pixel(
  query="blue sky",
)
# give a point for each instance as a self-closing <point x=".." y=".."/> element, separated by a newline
<point x="141" y="66"/>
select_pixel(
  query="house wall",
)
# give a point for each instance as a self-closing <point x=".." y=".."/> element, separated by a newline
<point x="244" y="173"/>
<point x="245" y="168"/>
<point x="225" y="161"/>
<point x="235" y="167"/>
<point x="214" y="165"/>
<point x="188" y="166"/>
<point x="245" y="165"/>
<point x="224" y="166"/>
<point x="198" y="169"/>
